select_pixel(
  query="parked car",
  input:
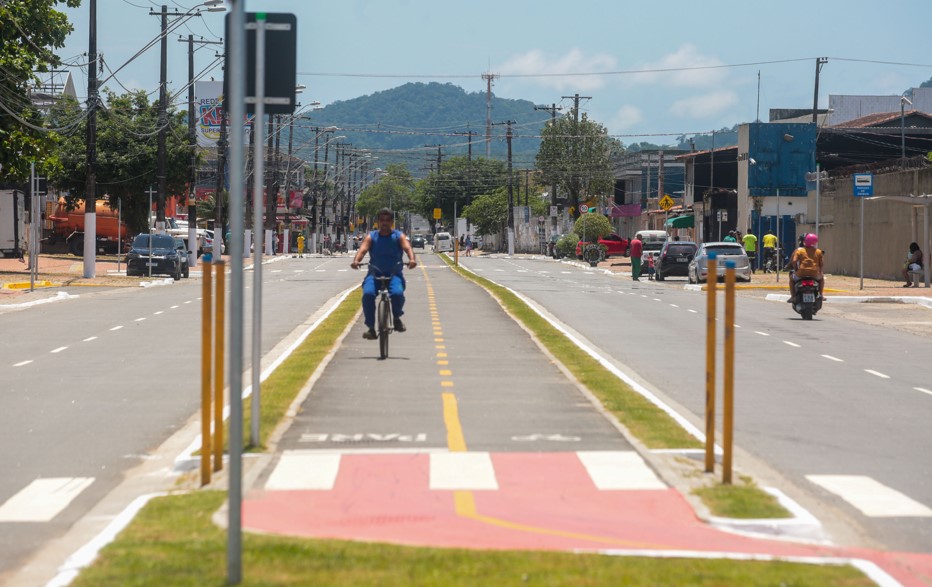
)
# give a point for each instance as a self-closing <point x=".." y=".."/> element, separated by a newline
<point x="182" y="247"/>
<point x="674" y="259"/>
<point x="162" y="257"/>
<point x="653" y="241"/>
<point x="699" y="266"/>
<point x="615" y="246"/>
<point x="418" y="241"/>
<point x="209" y="243"/>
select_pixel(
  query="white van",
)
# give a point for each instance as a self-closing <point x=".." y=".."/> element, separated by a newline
<point x="653" y="241"/>
<point x="443" y="241"/>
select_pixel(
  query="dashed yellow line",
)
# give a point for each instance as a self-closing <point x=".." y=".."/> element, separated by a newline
<point x="456" y="442"/>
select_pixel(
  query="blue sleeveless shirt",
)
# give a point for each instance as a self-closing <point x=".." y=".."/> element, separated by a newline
<point x="386" y="254"/>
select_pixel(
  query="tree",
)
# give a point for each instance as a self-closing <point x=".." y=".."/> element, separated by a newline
<point x="29" y="30"/>
<point x="488" y="212"/>
<point x="127" y="130"/>
<point x="577" y="158"/>
<point x="457" y="183"/>
<point x="394" y="190"/>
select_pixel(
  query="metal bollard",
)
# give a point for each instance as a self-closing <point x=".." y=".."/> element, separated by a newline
<point x="219" y="357"/>
<point x="728" y="424"/>
<point x="711" y="287"/>
<point x="205" y="374"/>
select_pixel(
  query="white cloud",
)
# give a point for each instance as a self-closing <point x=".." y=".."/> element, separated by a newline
<point x="685" y="57"/>
<point x="704" y="105"/>
<point x="626" y="118"/>
<point x="573" y="62"/>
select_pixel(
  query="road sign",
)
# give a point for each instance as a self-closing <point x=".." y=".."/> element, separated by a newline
<point x="436" y="213"/>
<point x="863" y="184"/>
<point x="666" y="202"/>
<point x="583" y="209"/>
<point x="281" y="58"/>
<point x="553" y="211"/>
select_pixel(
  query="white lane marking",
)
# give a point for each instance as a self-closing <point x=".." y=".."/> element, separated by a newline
<point x="693" y="311"/>
<point x="737" y="326"/>
<point x="877" y="373"/>
<point x="836" y="359"/>
<point x="643" y="295"/>
<point x="299" y="270"/>
<point x="619" y="470"/>
<point x="188" y="302"/>
<point x="522" y="270"/>
<point x="342" y="270"/>
<point x="871" y="497"/>
<point x="792" y="344"/>
<point x="923" y="390"/>
<point x="43" y="499"/>
<point x="761" y="333"/>
<point x="116" y="328"/>
<point x="462" y="471"/>
<point x="173" y="307"/>
<point x="159" y="312"/>
<point x="674" y="306"/>
<point x="58" y="350"/>
<point x="304" y="470"/>
<point x="89" y="339"/>
<point x="566" y="272"/>
<point x="140" y="319"/>
<point x="499" y="269"/>
<point x="276" y="270"/>
<point x="547" y="272"/>
<point x="657" y="300"/>
<point x="21" y="363"/>
<point x="320" y="270"/>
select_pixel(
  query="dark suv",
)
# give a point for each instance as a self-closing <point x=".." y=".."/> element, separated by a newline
<point x="157" y="252"/>
<point x="674" y="259"/>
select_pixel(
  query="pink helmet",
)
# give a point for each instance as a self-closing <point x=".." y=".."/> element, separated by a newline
<point x="810" y="240"/>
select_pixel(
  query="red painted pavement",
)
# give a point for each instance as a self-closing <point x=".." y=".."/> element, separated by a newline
<point x="545" y="501"/>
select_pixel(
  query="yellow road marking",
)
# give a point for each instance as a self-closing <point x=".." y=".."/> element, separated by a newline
<point x="442" y="362"/>
<point x="446" y="372"/>
<point x="451" y="417"/>
<point x="465" y="507"/>
<point x="446" y="384"/>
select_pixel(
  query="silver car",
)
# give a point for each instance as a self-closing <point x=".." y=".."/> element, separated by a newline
<point x="699" y="267"/>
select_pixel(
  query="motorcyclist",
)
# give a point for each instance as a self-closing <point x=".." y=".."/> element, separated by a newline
<point x="806" y="263"/>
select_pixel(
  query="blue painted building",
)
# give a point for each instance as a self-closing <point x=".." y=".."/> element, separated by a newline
<point x="773" y="160"/>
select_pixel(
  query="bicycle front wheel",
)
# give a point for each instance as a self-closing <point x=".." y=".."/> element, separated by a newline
<point x="385" y="322"/>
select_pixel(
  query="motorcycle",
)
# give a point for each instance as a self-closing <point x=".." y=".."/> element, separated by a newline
<point x="808" y="301"/>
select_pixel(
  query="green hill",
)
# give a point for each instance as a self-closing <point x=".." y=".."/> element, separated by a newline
<point x="397" y="125"/>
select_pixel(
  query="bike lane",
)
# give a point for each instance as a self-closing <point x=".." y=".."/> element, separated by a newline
<point x="469" y="436"/>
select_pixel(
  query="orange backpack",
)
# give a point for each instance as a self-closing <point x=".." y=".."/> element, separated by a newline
<point x="807" y="266"/>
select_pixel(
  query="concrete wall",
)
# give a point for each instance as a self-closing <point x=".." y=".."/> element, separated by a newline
<point x="889" y="225"/>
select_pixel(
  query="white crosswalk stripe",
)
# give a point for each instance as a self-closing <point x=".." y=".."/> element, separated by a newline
<point x="43" y="499"/>
<point x="871" y="497"/>
<point x="462" y="471"/>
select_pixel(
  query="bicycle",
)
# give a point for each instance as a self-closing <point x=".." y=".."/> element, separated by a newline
<point x="384" y="320"/>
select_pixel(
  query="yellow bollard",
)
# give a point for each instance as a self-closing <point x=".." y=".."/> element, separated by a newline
<point x="219" y="357"/>
<point x="728" y="423"/>
<point x="711" y="287"/>
<point x="456" y="252"/>
<point x="205" y="374"/>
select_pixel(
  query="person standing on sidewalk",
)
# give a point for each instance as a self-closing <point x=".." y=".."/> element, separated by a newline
<point x="635" y="249"/>
<point x="750" y="247"/>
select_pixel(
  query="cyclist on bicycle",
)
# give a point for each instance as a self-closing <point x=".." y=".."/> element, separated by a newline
<point x="385" y="247"/>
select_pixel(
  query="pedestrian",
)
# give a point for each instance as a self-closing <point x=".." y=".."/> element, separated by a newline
<point x="300" y="244"/>
<point x="730" y="238"/>
<point x="468" y="245"/>
<point x="750" y="247"/>
<point x="635" y="249"/>
<point x="913" y="263"/>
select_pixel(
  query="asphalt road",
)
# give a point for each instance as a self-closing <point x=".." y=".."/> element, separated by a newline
<point x="830" y="397"/>
<point x="93" y="384"/>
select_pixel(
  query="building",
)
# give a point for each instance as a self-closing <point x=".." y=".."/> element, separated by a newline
<point x="642" y="178"/>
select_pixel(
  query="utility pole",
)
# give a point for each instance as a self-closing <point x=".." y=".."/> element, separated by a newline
<point x="574" y="189"/>
<point x="489" y="78"/>
<point x="819" y="62"/>
<point x="271" y="171"/>
<point x="553" y="122"/>
<point x="221" y="172"/>
<point x="90" y="196"/>
<point x="162" y="119"/>
<point x="511" y="196"/>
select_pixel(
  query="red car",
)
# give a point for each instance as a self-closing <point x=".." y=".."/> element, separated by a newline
<point x="615" y="246"/>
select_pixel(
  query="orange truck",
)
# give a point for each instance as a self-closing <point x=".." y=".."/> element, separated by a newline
<point x="68" y="225"/>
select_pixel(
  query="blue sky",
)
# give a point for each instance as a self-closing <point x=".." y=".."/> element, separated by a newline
<point x="349" y="48"/>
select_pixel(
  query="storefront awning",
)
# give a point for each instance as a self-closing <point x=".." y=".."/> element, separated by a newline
<point x="680" y="222"/>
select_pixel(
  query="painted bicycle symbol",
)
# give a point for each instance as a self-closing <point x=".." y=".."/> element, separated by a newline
<point x="550" y="437"/>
